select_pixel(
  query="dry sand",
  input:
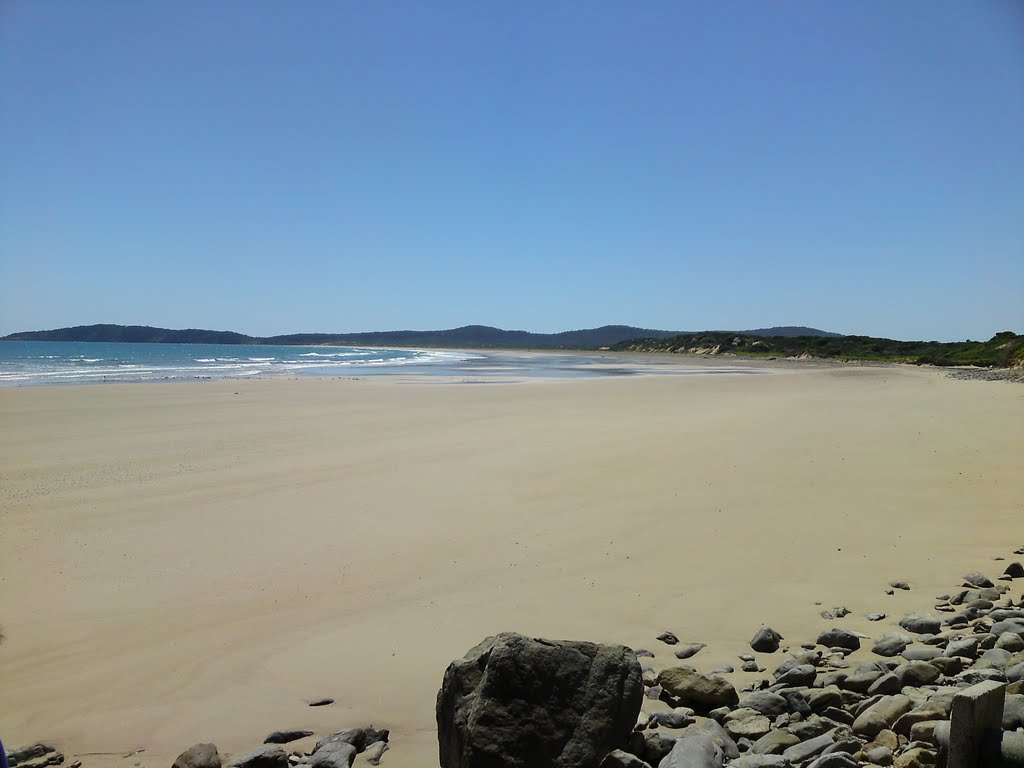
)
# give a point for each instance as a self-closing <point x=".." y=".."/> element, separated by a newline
<point x="192" y="562"/>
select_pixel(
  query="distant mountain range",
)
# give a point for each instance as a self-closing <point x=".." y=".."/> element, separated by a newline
<point x="473" y="336"/>
<point x="1002" y="350"/>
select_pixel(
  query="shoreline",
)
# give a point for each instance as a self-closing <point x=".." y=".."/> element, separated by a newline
<point x="450" y="365"/>
<point x="184" y="563"/>
<point x="455" y="363"/>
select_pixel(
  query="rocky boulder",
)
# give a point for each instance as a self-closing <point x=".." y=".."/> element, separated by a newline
<point x="336" y="754"/>
<point x="766" y="703"/>
<point x="360" y="738"/>
<point x="264" y="757"/>
<point x="519" y="702"/>
<point x="198" y="756"/>
<point x="284" y="737"/>
<point x="839" y="638"/>
<point x="617" y="758"/>
<point x="921" y="625"/>
<point x="695" y="750"/>
<point x="697" y="690"/>
<point x="881" y="715"/>
<point x="766" y="640"/>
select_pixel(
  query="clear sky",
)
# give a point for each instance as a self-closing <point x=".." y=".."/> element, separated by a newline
<point x="276" y="167"/>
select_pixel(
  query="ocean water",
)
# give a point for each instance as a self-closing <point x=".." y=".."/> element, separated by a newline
<point x="57" y="362"/>
<point x="35" y="363"/>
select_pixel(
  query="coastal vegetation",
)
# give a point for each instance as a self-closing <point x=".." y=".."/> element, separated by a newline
<point x="1003" y="350"/>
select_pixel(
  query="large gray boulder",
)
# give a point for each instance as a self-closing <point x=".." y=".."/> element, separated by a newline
<point x="519" y="702"/>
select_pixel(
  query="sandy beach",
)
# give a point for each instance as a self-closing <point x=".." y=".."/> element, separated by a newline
<point x="195" y="562"/>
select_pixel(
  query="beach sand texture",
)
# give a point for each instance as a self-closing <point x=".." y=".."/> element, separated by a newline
<point x="193" y="562"/>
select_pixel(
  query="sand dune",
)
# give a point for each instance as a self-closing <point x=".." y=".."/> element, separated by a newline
<point x="196" y="561"/>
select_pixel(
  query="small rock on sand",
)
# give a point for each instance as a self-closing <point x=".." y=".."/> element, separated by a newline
<point x="766" y="640"/>
<point x="198" y="756"/>
<point x="976" y="579"/>
<point x="687" y="650"/>
<point x="283" y="737"/>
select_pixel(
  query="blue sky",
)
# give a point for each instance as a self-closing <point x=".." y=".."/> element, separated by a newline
<point x="275" y="167"/>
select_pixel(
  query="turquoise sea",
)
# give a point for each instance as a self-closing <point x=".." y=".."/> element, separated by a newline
<point x="34" y="363"/>
<point x="58" y="362"/>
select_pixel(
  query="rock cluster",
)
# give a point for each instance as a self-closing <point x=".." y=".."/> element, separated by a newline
<point x="819" y="709"/>
<point x="36" y="756"/>
<point x="508" y="704"/>
<point x="336" y="750"/>
<point x="837" y="702"/>
<point x="988" y="374"/>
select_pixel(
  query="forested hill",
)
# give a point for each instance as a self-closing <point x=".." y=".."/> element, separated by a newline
<point x="137" y="334"/>
<point x="476" y="336"/>
<point x="1002" y="350"/>
<point x="479" y="336"/>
